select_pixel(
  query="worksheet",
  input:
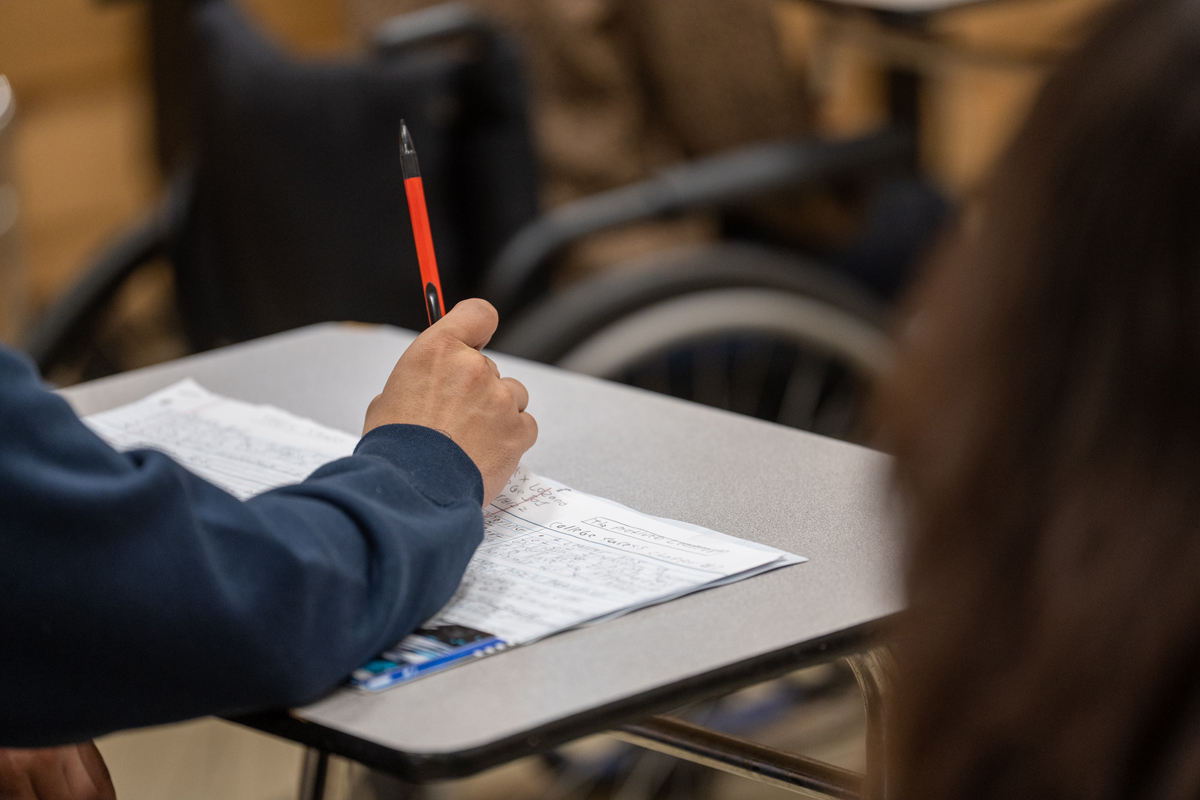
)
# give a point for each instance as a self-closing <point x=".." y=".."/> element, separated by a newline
<point x="242" y="447"/>
<point x="552" y="558"/>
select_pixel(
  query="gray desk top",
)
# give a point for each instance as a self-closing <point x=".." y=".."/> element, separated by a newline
<point x="813" y="496"/>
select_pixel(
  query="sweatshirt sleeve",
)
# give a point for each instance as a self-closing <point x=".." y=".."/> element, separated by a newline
<point x="134" y="593"/>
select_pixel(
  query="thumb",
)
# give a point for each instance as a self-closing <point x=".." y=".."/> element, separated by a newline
<point x="471" y="322"/>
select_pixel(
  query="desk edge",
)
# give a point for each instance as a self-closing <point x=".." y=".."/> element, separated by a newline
<point x="422" y="767"/>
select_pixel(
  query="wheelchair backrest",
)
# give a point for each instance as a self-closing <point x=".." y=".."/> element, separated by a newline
<point x="298" y="214"/>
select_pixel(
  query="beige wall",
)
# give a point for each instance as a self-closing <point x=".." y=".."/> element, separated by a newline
<point x="983" y="66"/>
<point x="82" y="136"/>
<point x="84" y="139"/>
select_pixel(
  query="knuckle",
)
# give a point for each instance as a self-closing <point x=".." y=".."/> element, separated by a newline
<point x="499" y="394"/>
<point x="479" y="369"/>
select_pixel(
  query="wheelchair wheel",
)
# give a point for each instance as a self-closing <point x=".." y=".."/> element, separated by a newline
<point x="744" y="328"/>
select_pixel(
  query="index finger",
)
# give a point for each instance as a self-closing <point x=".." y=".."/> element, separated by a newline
<point x="472" y="322"/>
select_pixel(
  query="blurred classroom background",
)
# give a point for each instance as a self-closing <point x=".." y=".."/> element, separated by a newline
<point x="80" y="149"/>
<point x="79" y="160"/>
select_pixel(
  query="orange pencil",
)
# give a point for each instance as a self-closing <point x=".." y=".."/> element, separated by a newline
<point x="420" y="225"/>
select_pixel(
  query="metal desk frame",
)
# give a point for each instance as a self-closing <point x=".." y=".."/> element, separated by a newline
<point x="714" y="749"/>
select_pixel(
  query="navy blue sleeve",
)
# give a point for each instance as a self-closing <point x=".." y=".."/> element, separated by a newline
<point x="134" y="593"/>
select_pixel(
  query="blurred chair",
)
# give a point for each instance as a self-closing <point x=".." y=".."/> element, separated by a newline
<point x="623" y="90"/>
<point x="293" y="212"/>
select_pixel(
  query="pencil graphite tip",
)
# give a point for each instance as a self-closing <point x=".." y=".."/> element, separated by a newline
<point x="406" y="142"/>
<point x="408" y="154"/>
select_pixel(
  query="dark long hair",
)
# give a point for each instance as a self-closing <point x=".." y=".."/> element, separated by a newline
<point x="1045" y="416"/>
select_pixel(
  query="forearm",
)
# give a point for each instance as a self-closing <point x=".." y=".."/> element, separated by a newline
<point x="136" y="593"/>
<point x="406" y="515"/>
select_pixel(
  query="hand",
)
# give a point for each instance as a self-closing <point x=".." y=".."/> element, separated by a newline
<point x="443" y="382"/>
<point x="73" y="772"/>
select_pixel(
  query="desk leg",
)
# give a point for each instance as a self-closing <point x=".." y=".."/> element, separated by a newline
<point x="313" y="773"/>
<point x="875" y="670"/>
<point x="741" y="757"/>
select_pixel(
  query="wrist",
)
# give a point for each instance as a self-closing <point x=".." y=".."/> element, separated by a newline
<point x="429" y="460"/>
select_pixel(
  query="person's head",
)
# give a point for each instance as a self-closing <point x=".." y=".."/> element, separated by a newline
<point x="1045" y="416"/>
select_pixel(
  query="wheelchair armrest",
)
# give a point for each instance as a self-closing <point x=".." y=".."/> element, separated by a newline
<point x="429" y="25"/>
<point x="68" y="319"/>
<point x="711" y="182"/>
<point x="63" y="324"/>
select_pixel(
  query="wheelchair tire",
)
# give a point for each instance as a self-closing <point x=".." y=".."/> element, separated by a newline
<point x="742" y="327"/>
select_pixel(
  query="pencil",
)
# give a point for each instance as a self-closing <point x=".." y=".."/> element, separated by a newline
<point x="420" y="225"/>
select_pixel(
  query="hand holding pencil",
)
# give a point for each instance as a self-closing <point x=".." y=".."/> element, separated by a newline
<point x="443" y="381"/>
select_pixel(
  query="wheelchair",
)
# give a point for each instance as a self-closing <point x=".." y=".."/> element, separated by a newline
<point x="270" y="229"/>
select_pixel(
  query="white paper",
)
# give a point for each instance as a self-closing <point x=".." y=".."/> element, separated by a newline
<point x="242" y="447"/>
<point x="552" y="558"/>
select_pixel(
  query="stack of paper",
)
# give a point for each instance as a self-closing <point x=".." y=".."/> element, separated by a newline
<point x="552" y="558"/>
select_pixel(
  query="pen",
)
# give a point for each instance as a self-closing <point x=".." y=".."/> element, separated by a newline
<point x="420" y="225"/>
